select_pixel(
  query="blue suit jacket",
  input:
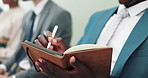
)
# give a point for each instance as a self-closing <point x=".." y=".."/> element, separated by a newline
<point x="133" y="59"/>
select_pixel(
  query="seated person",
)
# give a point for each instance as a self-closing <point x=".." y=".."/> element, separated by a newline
<point x="129" y="40"/>
<point x="10" y="28"/>
<point x="44" y="16"/>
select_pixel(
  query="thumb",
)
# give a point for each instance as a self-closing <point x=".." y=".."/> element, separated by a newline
<point x="75" y="63"/>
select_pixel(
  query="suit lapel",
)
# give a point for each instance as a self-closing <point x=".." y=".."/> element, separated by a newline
<point x="40" y="25"/>
<point x="137" y="36"/>
<point x="100" y="25"/>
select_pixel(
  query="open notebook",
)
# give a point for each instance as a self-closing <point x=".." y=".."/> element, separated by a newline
<point x="96" y="58"/>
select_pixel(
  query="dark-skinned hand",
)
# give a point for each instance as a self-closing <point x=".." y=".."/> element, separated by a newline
<point x="57" y="44"/>
<point x="79" y="71"/>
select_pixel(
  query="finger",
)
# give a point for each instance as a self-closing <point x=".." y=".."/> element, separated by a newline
<point x="57" y="44"/>
<point x="42" y="40"/>
<point x="76" y="64"/>
<point x="72" y="60"/>
<point x="50" y="39"/>
<point x="37" y="68"/>
<point x="53" y="68"/>
<point x="47" y="33"/>
<point x="38" y="43"/>
<point x="42" y="68"/>
<point x="57" y="41"/>
<point x="45" y="69"/>
<point x="51" y="47"/>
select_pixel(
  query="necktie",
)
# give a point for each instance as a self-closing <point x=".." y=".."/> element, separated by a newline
<point x="111" y="26"/>
<point x="32" y="19"/>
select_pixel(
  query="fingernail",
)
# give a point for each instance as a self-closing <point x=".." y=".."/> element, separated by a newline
<point x="36" y="64"/>
<point x="50" y="39"/>
<point x="45" y="33"/>
<point x="55" y="41"/>
<point x="40" y="60"/>
<point x="35" y="40"/>
<point x="40" y="69"/>
<point x="39" y="36"/>
<point x="73" y="59"/>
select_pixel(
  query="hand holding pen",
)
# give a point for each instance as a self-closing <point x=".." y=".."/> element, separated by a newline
<point x="51" y="42"/>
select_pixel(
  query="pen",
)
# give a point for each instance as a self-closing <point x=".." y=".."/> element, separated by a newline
<point x="53" y="34"/>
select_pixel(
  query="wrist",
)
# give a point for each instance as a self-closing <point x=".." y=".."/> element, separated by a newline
<point x="2" y="66"/>
<point x="2" y="71"/>
<point x="13" y="76"/>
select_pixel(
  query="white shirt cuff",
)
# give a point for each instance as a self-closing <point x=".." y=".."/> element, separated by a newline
<point x="13" y="76"/>
<point x="3" y="67"/>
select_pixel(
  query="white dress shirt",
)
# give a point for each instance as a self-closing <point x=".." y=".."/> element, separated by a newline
<point x="37" y="10"/>
<point x="124" y="29"/>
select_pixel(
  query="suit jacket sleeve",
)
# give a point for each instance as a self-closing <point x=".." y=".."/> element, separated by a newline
<point x="64" y="32"/>
<point x="63" y="20"/>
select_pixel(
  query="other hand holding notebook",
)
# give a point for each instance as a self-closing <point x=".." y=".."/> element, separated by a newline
<point x="79" y="70"/>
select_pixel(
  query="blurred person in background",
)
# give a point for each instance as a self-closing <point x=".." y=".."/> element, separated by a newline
<point x="44" y="16"/>
<point x="10" y="29"/>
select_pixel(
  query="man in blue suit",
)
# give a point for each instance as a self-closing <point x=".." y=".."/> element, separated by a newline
<point x="129" y="41"/>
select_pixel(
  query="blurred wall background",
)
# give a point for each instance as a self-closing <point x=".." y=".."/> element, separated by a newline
<point x="81" y="10"/>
